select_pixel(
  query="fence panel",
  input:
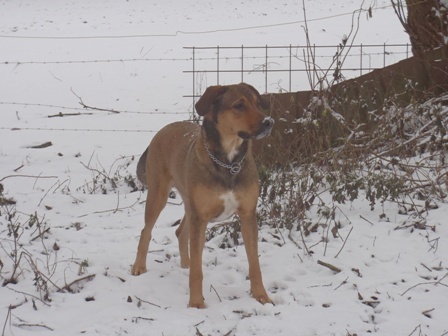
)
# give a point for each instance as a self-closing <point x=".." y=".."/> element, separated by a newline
<point x="287" y="68"/>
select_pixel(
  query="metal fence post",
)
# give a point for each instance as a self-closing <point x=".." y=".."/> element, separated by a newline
<point x="242" y="63"/>
<point x="194" y="84"/>
<point x="290" y="67"/>
<point x="314" y="72"/>
<point x="217" y="65"/>
<point x="360" y="65"/>
<point x="266" y="73"/>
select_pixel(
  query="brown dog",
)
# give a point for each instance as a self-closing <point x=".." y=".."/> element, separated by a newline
<point x="214" y="171"/>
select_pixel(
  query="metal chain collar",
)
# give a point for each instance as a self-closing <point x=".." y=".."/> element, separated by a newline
<point x="234" y="168"/>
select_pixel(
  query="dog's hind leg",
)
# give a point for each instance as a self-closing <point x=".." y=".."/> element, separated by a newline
<point x="183" y="235"/>
<point x="158" y="192"/>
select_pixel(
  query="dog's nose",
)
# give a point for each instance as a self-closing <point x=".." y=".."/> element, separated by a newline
<point x="266" y="126"/>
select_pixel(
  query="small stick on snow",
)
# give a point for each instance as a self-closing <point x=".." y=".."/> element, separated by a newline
<point x="136" y="318"/>
<point x="152" y="304"/>
<point x="34" y="325"/>
<point x="426" y="267"/>
<point x="332" y="267"/>
<point x="60" y="114"/>
<point x="341" y="284"/>
<point x="31" y="176"/>
<point x="18" y="168"/>
<point x="88" y="277"/>
<point x="366" y="220"/>
<point x="211" y="287"/>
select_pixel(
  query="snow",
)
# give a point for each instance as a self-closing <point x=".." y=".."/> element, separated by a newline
<point x="388" y="276"/>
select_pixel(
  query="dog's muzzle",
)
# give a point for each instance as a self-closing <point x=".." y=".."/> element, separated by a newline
<point x="265" y="129"/>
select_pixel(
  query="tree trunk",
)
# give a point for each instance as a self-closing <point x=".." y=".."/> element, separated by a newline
<point x="426" y="23"/>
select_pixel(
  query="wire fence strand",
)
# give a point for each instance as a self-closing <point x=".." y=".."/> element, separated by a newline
<point x="46" y="129"/>
<point x="92" y="109"/>
<point x="98" y="61"/>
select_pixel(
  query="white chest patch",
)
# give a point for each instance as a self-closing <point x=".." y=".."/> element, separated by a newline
<point x="232" y="154"/>
<point x="230" y="206"/>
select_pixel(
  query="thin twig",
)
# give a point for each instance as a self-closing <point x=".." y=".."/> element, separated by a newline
<point x="346" y="238"/>
<point x="28" y="176"/>
<point x="152" y="304"/>
<point x="18" y="168"/>
<point x="426" y="267"/>
<point x="199" y="323"/>
<point x="111" y="210"/>
<point x="342" y="283"/>
<point x="60" y="114"/>
<point x="45" y="195"/>
<point x="40" y="234"/>
<point x="211" y="287"/>
<point x="34" y="325"/>
<point x="88" y="277"/>
<point x="438" y="282"/>
<point x="8" y="316"/>
<point x="40" y="274"/>
<point x="415" y="329"/>
<point x="136" y="318"/>
<point x="303" y="241"/>
<point x="230" y="332"/>
<point x="92" y="107"/>
<point x="293" y="241"/>
<point x="366" y="219"/>
<point x="427" y="312"/>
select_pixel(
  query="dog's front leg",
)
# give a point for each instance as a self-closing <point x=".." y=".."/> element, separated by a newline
<point x="249" y="230"/>
<point x="183" y="235"/>
<point x="197" y="241"/>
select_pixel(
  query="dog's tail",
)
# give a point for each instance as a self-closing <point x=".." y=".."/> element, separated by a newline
<point x="141" y="168"/>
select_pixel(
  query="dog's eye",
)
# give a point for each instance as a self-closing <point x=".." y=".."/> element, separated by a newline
<point x="238" y="106"/>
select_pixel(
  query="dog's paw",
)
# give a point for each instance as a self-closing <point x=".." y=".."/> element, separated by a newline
<point x="196" y="302"/>
<point x="185" y="264"/>
<point x="138" y="269"/>
<point x="198" y="305"/>
<point x="263" y="298"/>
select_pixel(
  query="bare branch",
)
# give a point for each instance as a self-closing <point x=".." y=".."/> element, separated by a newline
<point x="28" y="176"/>
<point x="81" y="102"/>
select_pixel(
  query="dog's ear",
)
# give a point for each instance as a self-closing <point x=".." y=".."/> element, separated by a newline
<point x="212" y="95"/>
<point x="264" y="103"/>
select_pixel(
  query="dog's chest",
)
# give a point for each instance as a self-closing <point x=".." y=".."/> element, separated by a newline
<point x="230" y="206"/>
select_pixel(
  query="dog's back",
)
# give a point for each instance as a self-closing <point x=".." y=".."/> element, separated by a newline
<point x="176" y="135"/>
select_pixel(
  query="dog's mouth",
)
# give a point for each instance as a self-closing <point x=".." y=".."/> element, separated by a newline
<point x="263" y="131"/>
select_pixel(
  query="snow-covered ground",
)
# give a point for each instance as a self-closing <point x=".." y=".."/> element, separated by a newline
<point x="81" y="245"/>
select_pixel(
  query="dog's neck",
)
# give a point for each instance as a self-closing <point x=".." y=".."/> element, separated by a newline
<point x="229" y="148"/>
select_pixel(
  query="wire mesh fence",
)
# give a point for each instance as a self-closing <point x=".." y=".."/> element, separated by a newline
<point x="286" y="68"/>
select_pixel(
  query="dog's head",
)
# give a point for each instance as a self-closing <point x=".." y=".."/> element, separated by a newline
<point x="235" y="110"/>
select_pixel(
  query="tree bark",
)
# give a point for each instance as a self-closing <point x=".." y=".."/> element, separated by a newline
<point x="426" y="23"/>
